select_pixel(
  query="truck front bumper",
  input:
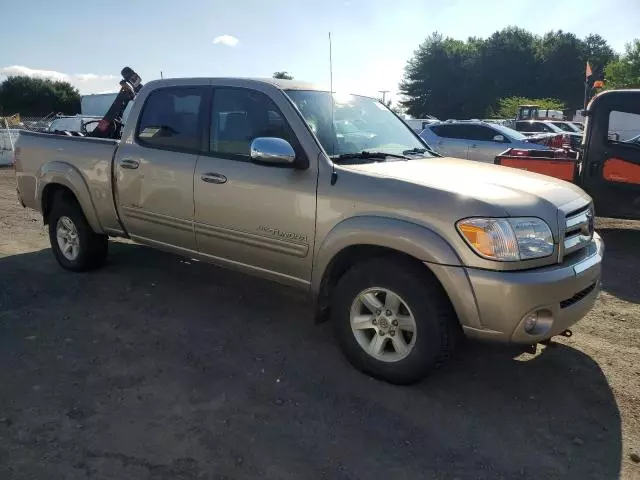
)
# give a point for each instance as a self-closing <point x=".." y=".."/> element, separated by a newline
<point x="505" y="303"/>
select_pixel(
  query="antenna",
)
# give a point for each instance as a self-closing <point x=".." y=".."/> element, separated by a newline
<point x="334" y="174"/>
<point x="331" y="88"/>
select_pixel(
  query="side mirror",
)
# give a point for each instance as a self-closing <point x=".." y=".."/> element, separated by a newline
<point x="499" y="138"/>
<point x="272" y="151"/>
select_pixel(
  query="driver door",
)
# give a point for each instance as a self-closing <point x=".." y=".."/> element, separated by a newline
<point x="254" y="217"/>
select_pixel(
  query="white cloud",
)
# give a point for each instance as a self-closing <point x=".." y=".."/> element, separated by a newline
<point x="228" y="40"/>
<point x="85" y="77"/>
<point x="85" y="82"/>
<point x="30" y="72"/>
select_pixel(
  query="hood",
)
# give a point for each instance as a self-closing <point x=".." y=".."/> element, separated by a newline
<point x="517" y="192"/>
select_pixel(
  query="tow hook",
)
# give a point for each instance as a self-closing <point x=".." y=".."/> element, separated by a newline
<point x="567" y="333"/>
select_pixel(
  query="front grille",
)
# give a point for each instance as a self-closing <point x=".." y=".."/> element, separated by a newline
<point x="578" y="296"/>
<point x="578" y="230"/>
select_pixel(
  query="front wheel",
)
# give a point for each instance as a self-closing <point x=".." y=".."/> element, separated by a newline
<point x="75" y="245"/>
<point x="393" y="320"/>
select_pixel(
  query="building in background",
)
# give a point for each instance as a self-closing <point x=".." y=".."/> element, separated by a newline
<point x="96" y="105"/>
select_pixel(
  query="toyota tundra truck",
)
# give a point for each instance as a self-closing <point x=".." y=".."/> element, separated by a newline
<point x="402" y="249"/>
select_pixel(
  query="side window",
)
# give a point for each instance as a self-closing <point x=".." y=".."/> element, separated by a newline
<point x="545" y="128"/>
<point x="170" y="119"/>
<point x="481" y="133"/>
<point x="624" y="127"/>
<point x="450" y="131"/>
<point x="439" y="130"/>
<point x="239" y="116"/>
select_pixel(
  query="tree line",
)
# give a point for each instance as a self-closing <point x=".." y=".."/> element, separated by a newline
<point x="37" y="97"/>
<point x="451" y="78"/>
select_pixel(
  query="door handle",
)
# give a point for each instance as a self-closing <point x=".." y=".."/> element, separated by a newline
<point x="213" y="178"/>
<point x="129" y="163"/>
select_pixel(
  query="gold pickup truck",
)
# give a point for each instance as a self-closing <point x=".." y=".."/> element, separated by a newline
<point x="404" y="250"/>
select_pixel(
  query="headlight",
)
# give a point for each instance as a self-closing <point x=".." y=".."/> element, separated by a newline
<point x="507" y="239"/>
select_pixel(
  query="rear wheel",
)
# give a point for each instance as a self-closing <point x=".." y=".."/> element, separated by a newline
<point x="75" y="245"/>
<point x="393" y="320"/>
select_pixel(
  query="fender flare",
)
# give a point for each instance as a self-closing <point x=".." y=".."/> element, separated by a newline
<point x="415" y="240"/>
<point x="62" y="173"/>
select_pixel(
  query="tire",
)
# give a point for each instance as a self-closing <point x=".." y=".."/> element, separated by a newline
<point x="436" y="326"/>
<point x="91" y="247"/>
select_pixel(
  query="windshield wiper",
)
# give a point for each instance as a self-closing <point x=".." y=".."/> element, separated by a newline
<point x="419" y="151"/>
<point x="364" y="155"/>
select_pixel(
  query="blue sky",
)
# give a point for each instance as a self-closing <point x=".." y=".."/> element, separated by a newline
<point x="90" y="42"/>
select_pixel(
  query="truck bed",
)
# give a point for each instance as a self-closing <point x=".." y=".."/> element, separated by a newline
<point x="42" y="158"/>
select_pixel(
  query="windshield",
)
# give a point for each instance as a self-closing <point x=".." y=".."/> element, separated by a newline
<point x="565" y="126"/>
<point x="509" y="132"/>
<point x="359" y="124"/>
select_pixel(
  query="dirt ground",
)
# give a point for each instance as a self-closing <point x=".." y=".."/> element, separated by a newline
<point x="159" y="367"/>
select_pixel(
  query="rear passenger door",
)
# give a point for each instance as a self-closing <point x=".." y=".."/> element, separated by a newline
<point x="453" y="140"/>
<point x="483" y="147"/>
<point x="154" y="171"/>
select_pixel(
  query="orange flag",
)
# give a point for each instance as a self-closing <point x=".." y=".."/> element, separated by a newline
<point x="588" y="72"/>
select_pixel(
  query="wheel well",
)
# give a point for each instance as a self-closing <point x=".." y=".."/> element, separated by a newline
<point x="342" y="262"/>
<point x="52" y="192"/>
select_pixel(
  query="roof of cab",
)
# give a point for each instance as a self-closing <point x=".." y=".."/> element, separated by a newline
<point x="279" y="83"/>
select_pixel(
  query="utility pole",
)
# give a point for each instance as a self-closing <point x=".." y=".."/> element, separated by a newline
<point x="384" y="95"/>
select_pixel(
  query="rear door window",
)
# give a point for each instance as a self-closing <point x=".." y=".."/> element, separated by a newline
<point x="481" y="133"/>
<point x="451" y="131"/>
<point x="171" y="119"/>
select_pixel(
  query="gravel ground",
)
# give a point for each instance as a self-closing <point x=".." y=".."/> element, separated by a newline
<point x="159" y="367"/>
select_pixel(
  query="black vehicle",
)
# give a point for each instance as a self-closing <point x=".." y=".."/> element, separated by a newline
<point x="607" y="166"/>
<point x="611" y="160"/>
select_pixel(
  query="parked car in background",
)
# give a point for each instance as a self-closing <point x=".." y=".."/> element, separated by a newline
<point x="8" y="139"/>
<point x="535" y="127"/>
<point x="566" y="126"/>
<point x="635" y="140"/>
<point x="476" y="140"/>
<point x="419" y="124"/>
<point x="76" y="124"/>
